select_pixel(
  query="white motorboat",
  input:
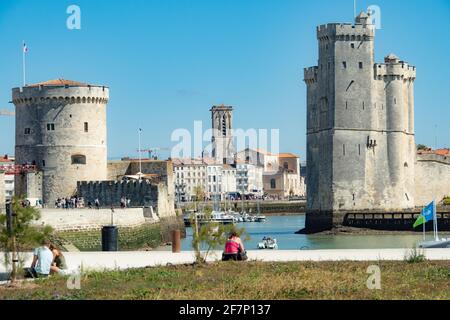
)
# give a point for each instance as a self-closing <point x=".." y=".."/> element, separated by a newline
<point x="268" y="243"/>
<point x="260" y="218"/>
<point x="214" y="217"/>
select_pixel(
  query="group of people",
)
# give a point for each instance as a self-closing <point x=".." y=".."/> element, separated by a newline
<point x="69" y="203"/>
<point x="47" y="260"/>
<point x="125" y="202"/>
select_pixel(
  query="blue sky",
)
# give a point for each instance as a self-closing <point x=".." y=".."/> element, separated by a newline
<point x="168" y="61"/>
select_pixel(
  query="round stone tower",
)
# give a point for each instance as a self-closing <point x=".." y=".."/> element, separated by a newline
<point x="61" y="128"/>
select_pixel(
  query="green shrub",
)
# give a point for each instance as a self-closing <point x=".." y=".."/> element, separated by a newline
<point x="415" y="256"/>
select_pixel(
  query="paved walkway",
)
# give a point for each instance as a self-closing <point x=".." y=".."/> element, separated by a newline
<point x="124" y="259"/>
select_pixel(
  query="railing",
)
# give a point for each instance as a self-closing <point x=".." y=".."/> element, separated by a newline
<point x="394" y="221"/>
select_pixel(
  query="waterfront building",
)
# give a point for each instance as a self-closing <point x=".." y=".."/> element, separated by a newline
<point x="287" y="181"/>
<point x="7" y="165"/>
<point x="249" y="178"/>
<point x="190" y="176"/>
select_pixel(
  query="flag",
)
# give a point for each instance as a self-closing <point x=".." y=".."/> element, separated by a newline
<point x="25" y="48"/>
<point x="426" y="215"/>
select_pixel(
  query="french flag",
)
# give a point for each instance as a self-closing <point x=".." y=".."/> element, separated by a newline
<point x="25" y="48"/>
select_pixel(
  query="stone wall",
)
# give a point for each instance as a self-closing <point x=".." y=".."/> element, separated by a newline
<point x="141" y="194"/>
<point x="91" y="219"/>
<point x="147" y="235"/>
<point x="29" y="185"/>
<point x="432" y="177"/>
<point x="164" y="171"/>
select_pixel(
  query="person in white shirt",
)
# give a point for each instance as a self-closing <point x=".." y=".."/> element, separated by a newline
<point x="42" y="260"/>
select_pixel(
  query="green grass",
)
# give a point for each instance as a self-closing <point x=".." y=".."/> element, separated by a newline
<point x="252" y="280"/>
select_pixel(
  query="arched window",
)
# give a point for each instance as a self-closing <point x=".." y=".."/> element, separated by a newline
<point x="78" y="159"/>
<point x="224" y="126"/>
<point x="286" y="165"/>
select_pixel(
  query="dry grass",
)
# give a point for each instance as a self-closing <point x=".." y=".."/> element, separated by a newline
<point x="253" y="280"/>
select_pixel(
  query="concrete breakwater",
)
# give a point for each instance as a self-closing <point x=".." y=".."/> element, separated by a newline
<point x="266" y="207"/>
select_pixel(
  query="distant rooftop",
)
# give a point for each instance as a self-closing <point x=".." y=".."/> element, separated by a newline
<point x="440" y="152"/>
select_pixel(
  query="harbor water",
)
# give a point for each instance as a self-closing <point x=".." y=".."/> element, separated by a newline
<point x="283" y="229"/>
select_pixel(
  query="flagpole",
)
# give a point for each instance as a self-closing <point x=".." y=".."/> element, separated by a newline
<point x="424" y="230"/>
<point x="23" y="64"/>
<point x="354" y="9"/>
<point x="140" y="160"/>
<point x="435" y="221"/>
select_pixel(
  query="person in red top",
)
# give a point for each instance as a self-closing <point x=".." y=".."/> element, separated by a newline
<point x="234" y="248"/>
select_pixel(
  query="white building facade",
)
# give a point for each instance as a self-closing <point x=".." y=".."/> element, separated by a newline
<point x="190" y="176"/>
<point x="249" y="179"/>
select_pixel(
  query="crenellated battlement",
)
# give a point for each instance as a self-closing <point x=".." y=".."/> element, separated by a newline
<point x="310" y="75"/>
<point x="31" y="95"/>
<point x="394" y="71"/>
<point x="345" y="32"/>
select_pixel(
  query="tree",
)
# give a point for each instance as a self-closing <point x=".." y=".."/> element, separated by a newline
<point x="22" y="234"/>
<point x="422" y="147"/>
<point x="199" y="193"/>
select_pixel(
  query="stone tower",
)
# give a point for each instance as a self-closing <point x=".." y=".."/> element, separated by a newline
<point x="61" y="128"/>
<point x="222" y="137"/>
<point x="360" y="127"/>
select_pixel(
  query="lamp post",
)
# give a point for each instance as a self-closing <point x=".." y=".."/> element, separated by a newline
<point x="140" y="156"/>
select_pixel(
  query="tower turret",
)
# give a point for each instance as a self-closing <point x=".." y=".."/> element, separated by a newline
<point x="61" y="128"/>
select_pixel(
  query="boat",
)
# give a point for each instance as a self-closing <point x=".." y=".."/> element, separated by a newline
<point x="203" y="218"/>
<point x="439" y="243"/>
<point x="429" y="213"/>
<point x="268" y="243"/>
<point x="259" y="217"/>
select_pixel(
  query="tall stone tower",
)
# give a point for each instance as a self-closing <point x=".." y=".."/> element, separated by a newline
<point x="61" y="128"/>
<point x="360" y="127"/>
<point x="222" y="137"/>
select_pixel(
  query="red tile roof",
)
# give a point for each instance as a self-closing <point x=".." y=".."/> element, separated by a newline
<point x="59" y="83"/>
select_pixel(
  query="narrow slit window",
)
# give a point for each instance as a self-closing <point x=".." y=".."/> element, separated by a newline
<point x="86" y="127"/>
<point x="360" y="65"/>
<point x="27" y="131"/>
<point x="343" y="149"/>
<point x="344" y="64"/>
<point x="359" y="149"/>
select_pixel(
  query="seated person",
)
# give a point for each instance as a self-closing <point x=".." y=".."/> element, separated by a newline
<point x="42" y="261"/>
<point x="59" y="265"/>
<point x="234" y="248"/>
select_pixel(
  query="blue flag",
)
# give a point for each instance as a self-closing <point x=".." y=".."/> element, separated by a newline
<point x="428" y="212"/>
